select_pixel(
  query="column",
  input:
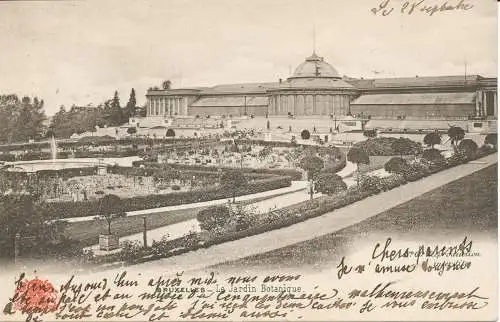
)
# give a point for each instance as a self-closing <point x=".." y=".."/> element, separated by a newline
<point x="478" y="113"/>
<point x="332" y="107"/>
<point x="162" y="110"/>
<point x="314" y="104"/>
<point x="178" y="106"/>
<point x="148" y="109"/>
<point x="484" y="100"/>
<point x="294" y="104"/>
<point x="495" y="107"/>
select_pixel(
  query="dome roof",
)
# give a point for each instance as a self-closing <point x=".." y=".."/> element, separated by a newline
<point x="315" y="66"/>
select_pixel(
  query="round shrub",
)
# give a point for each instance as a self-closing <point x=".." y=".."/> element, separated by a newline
<point x="305" y="135"/>
<point x="176" y="187"/>
<point x="434" y="157"/>
<point x="396" y="165"/>
<point x="469" y="147"/>
<point x="329" y="183"/>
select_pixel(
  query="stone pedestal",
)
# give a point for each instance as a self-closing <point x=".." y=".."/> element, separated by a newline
<point x="108" y="242"/>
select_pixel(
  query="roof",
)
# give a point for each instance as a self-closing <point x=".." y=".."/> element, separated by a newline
<point x="427" y="81"/>
<point x="315" y="82"/>
<point x="231" y="101"/>
<point x="239" y="88"/>
<point x="416" y="98"/>
<point x="315" y="66"/>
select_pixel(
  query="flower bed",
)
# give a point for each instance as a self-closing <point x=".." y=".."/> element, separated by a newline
<point x="90" y="208"/>
<point x="294" y="175"/>
<point x="370" y="185"/>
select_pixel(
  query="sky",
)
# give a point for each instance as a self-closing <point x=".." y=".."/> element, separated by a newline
<point x="80" y="52"/>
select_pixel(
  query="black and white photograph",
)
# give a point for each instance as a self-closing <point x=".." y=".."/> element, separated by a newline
<point x="237" y="160"/>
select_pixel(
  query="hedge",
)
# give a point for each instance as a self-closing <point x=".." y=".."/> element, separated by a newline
<point x="70" y="209"/>
<point x="382" y="146"/>
<point x="295" y="175"/>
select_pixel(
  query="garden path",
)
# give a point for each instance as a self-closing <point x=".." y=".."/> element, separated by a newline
<point x="296" y="186"/>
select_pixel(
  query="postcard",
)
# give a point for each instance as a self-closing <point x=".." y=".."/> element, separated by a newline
<point x="230" y="160"/>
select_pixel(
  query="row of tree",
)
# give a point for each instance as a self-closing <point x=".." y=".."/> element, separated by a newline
<point x="79" y="120"/>
<point x="21" y="119"/>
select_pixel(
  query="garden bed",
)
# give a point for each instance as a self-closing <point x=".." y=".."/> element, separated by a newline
<point x="287" y="216"/>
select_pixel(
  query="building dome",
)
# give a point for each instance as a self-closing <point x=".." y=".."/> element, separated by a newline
<point x="315" y="66"/>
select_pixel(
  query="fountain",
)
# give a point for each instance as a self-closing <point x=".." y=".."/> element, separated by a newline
<point x="53" y="148"/>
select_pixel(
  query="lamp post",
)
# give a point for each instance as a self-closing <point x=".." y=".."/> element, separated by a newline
<point x="144" y="233"/>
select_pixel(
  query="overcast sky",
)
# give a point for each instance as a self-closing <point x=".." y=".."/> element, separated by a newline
<point x="79" y="52"/>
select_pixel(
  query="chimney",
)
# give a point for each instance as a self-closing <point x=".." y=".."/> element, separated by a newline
<point x="281" y="80"/>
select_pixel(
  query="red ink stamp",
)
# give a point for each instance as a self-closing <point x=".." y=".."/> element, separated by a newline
<point x="35" y="296"/>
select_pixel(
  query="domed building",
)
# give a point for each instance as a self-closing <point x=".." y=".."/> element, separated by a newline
<point x="316" y="90"/>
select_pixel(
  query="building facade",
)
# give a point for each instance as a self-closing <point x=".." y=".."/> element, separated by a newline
<point x="317" y="90"/>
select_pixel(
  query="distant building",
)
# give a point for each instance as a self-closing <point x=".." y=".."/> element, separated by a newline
<point x="316" y="90"/>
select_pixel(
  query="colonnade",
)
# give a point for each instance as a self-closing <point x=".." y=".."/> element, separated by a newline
<point x="309" y="104"/>
<point x="166" y="105"/>
<point x="486" y="103"/>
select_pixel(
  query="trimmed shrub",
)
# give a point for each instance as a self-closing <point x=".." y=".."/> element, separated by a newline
<point x="469" y="147"/>
<point x="329" y="183"/>
<point x="434" y="158"/>
<point x="305" y="135"/>
<point x="431" y="139"/>
<point x="396" y="165"/>
<point x="382" y="146"/>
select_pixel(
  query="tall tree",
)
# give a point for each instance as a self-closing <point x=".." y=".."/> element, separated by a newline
<point x="130" y="108"/>
<point x="358" y="156"/>
<point x="20" y="119"/>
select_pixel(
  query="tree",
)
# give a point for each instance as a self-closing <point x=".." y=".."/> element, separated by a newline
<point x="358" y="156"/>
<point x="21" y="213"/>
<point x="396" y="165"/>
<point x="110" y="209"/>
<point x="170" y="133"/>
<point x="233" y="181"/>
<point x="456" y="134"/>
<point x="21" y="119"/>
<point x="329" y="183"/>
<point x="372" y="133"/>
<point x="402" y="146"/>
<point x="312" y="165"/>
<point x="492" y="139"/>
<point x="166" y="84"/>
<point x="213" y="217"/>
<point x="469" y="147"/>
<point x="305" y="135"/>
<point x="130" y="108"/>
<point x="132" y="130"/>
<point x="431" y="139"/>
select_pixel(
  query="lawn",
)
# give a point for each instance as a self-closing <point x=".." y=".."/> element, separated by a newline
<point x="87" y="232"/>
<point x="464" y="207"/>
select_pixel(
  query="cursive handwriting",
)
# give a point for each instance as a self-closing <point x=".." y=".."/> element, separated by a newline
<point x="409" y="7"/>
